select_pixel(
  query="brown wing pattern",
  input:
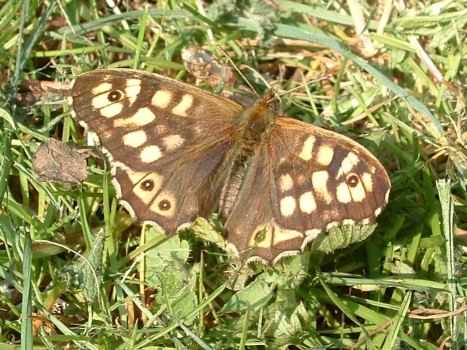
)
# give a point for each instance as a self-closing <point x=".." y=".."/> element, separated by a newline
<point x="304" y="180"/>
<point x="165" y="139"/>
<point x="170" y="147"/>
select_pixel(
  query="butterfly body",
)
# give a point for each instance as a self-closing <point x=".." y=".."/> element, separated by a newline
<point x="178" y="152"/>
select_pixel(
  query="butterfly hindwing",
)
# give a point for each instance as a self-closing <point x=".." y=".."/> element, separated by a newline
<point x="331" y="178"/>
<point x="165" y="139"/>
<point x="305" y="180"/>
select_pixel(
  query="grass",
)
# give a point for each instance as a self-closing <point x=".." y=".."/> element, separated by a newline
<point x="75" y="270"/>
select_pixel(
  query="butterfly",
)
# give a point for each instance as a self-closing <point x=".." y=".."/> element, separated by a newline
<point x="178" y="152"/>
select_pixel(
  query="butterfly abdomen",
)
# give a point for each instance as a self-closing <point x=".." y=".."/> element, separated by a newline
<point x="252" y="128"/>
<point x="230" y="191"/>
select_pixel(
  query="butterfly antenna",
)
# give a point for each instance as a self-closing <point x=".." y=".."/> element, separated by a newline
<point x="239" y="72"/>
<point x="305" y="84"/>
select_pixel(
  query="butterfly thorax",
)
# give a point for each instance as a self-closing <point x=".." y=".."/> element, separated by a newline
<point x="254" y="124"/>
<point x="253" y="128"/>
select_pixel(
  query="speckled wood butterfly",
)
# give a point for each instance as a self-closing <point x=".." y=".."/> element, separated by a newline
<point x="178" y="152"/>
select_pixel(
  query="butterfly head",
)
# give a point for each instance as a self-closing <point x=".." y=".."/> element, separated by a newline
<point x="256" y="121"/>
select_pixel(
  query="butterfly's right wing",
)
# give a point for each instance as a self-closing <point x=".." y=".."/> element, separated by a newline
<point x="165" y="140"/>
<point x="301" y="181"/>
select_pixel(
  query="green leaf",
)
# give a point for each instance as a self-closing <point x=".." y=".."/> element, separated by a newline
<point x="255" y="296"/>
<point x="167" y="271"/>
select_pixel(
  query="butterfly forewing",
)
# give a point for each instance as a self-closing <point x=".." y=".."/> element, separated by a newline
<point x="305" y="180"/>
<point x="165" y="139"/>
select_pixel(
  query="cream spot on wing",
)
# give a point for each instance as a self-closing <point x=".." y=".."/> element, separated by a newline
<point x="285" y="182"/>
<point x="99" y="89"/>
<point x="348" y="222"/>
<point x="331" y="225"/>
<point x="307" y="148"/>
<point x="147" y="186"/>
<point x="133" y="82"/>
<point x="285" y="235"/>
<point x="150" y="154"/>
<point x="325" y="154"/>
<point x="307" y="202"/>
<point x="164" y="204"/>
<point x="378" y="211"/>
<point x="343" y="193"/>
<point x="348" y="163"/>
<point x="386" y="196"/>
<point x="262" y="238"/>
<point x="287" y="206"/>
<point x="100" y="101"/>
<point x="116" y="164"/>
<point x="133" y="88"/>
<point x="135" y="176"/>
<point x="142" y="117"/>
<point x="365" y="221"/>
<point x="358" y="192"/>
<point x="172" y="142"/>
<point x="320" y="185"/>
<point x="111" y="110"/>
<point x="183" y="106"/>
<point x="161" y="99"/>
<point x="135" y="138"/>
<point x="312" y="234"/>
<point x="367" y="180"/>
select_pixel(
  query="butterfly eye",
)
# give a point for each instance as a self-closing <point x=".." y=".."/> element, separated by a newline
<point x="147" y="185"/>
<point x="352" y="180"/>
<point x="164" y="204"/>
<point x="114" y="95"/>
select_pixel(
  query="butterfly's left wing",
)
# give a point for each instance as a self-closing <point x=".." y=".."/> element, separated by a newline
<point x="165" y="140"/>
<point x="303" y="180"/>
